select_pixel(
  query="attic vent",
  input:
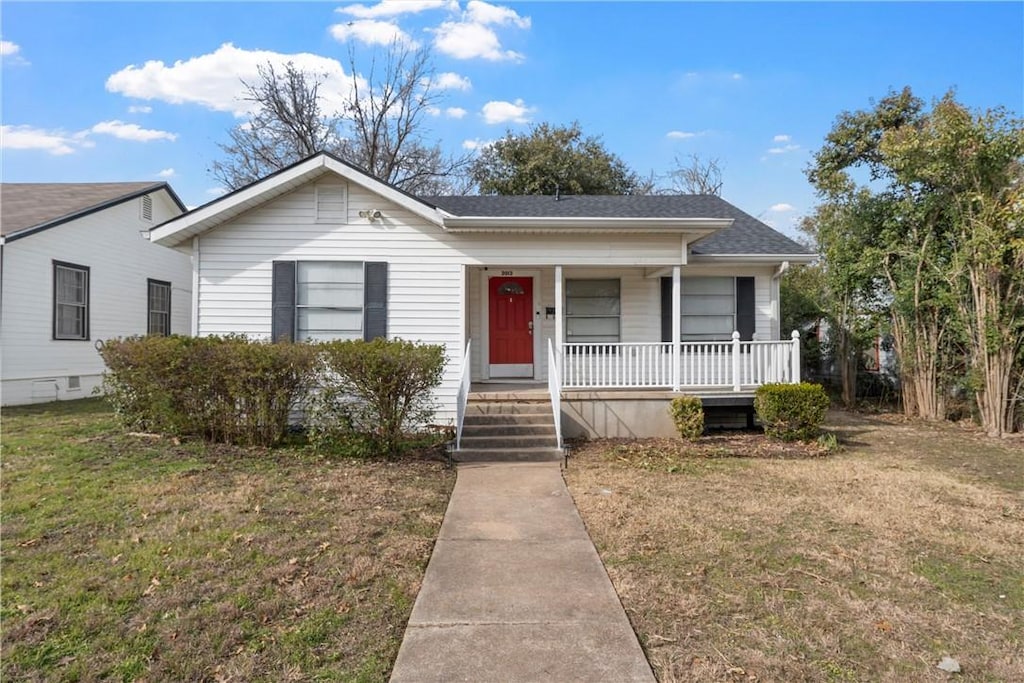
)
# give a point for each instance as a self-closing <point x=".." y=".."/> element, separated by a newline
<point x="331" y="204"/>
<point x="146" y="210"/>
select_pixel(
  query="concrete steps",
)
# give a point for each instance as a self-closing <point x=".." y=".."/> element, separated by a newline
<point x="503" y="430"/>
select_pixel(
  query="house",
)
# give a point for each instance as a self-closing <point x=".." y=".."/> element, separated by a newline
<point x="76" y="268"/>
<point x="614" y="302"/>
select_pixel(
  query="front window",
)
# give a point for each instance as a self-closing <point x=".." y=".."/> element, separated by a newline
<point x="592" y="311"/>
<point x="70" y="301"/>
<point x="708" y="308"/>
<point x="328" y="300"/>
<point x="158" y="305"/>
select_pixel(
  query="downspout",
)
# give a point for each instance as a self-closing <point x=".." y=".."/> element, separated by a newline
<point x="777" y="300"/>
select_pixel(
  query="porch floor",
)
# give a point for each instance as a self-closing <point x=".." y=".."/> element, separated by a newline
<point x="526" y="390"/>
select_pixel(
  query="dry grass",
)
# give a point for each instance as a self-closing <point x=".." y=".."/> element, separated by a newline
<point x="868" y="564"/>
<point x="127" y="557"/>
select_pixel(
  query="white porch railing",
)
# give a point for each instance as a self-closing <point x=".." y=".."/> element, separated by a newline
<point x="463" y="395"/>
<point x="555" y="389"/>
<point x="736" y="365"/>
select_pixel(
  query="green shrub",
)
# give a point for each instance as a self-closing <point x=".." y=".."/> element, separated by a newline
<point x="688" y="415"/>
<point x="381" y="388"/>
<point x="227" y="389"/>
<point x="791" y="411"/>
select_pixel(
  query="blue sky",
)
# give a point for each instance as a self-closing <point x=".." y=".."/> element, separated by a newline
<point x="137" y="91"/>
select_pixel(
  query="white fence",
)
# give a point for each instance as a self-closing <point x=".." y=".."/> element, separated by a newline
<point x="735" y="365"/>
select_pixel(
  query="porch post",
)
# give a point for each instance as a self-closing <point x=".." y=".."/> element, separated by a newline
<point x="559" y="322"/>
<point x="735" y="361"/>
<point x="677" y="332"/>
<point x="795" y="378"/>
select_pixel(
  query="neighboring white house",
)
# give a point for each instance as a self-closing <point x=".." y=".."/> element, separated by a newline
<point x="76" y="268"/>
<point x="593" y="293"/>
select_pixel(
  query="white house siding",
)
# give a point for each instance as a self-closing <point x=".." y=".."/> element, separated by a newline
<point x="35" y="367"/>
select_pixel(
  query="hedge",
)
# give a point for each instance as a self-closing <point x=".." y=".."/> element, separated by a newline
<point x="791" y="411"/>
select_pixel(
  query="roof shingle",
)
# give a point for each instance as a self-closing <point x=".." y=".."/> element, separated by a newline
<point x="747" y="235"/>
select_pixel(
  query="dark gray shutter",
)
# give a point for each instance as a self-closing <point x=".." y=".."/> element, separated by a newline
<point x="666" y="309"/>
<point x="745" y="308"/>
<point x="282" y="323"/>
<point x="375" y="301"/>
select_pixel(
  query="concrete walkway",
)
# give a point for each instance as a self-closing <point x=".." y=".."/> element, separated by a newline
<point x="515" y="590"/>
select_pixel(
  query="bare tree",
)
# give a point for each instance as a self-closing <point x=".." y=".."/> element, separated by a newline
<point x="382" y="129"/>
<point x="694" y="175"/>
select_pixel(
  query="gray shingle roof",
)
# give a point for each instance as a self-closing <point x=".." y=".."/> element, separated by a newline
<point x="31" y="205"/>
<point x="746" y="235"/>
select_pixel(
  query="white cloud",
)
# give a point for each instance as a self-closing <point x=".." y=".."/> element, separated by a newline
<point x="166" y="173"/>
<point x="736" y="76"/>
<point x="782" y="207"/>
<point x="433" y="111"/>
<point x="214" y="80"/>
<point x="215" y="191"/>
<point x="393" y="8"/>
<point x="55" y="142"/>
<point x="479" y="12"/>
<point x="472" y="35"/>
<point x="372" y="32"/>
<point x="781" y="138"/>
<point x="140" y="109"/>
<point x="783" y="149"/>
<point x="7" y="48"/>
<point x="475" y="145"/>
<point x="131" y="131"/>
<point x="455" y="112"/>
<point x="497" y="111"/>
<point x="684" y="135"/>
<point x="451" y="81"/>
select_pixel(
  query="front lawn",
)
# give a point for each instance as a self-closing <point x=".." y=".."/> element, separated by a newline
<point x="130" y="557"/>
<point x="870" y="564"/>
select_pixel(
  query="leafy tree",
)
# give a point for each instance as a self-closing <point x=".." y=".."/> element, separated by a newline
<point x="382" y="130"/>
<point x="886" y="226"/>
<point x="552" y="159"/>
<point x="972" y="164"/>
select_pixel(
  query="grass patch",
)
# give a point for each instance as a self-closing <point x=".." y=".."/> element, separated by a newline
<point x="869" y="564"/>
<point x="131" y="557"/>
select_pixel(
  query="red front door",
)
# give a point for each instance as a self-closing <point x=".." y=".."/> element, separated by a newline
<point x="511" y="326"/>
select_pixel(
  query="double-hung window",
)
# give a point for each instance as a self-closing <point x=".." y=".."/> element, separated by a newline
<point x="158" y="307"/>
<point x="324" y="300"/>
<point x="328" y="300"/>
<point x="70" y="301"/>
<point x="592" y="311"/>
<point x="711" y="308"/>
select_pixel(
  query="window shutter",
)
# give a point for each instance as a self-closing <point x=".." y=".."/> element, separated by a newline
<point x="666" y="309"/>
<point x="282" y="324"/>
<point x="745" y="308"/>
<point x="375" y="301"/>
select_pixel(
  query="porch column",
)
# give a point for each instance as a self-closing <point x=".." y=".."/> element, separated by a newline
<point x="559" y="322"/>
<point x="677" y="346"/>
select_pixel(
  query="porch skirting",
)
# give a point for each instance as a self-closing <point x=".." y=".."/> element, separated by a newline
<point x="635" y="414"/>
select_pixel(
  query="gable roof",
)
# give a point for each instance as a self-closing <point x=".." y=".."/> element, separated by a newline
<point x="27" y="208"/>
<point x="226" y="207"/>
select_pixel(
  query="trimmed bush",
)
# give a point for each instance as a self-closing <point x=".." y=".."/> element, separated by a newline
<point x="791" y="412"/>
<point x="688" y="415"/>
<point x="224" y="389"/>
<point x="382" y="389"/>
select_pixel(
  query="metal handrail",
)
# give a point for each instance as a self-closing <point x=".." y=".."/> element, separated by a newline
<point x="555" y="390"/>
<point x="463" y="396"/>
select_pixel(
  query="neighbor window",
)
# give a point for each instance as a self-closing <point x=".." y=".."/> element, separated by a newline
<point x="708" y="308"/>
<point x="592" y="310"/>
<point x="158" y="306"/>
<point x="70" y="301"/>
<point x="328" y="300"/>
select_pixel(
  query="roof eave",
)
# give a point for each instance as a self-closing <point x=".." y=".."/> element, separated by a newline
<point x="698" y="227"/>
<point x="752" y="258"/>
